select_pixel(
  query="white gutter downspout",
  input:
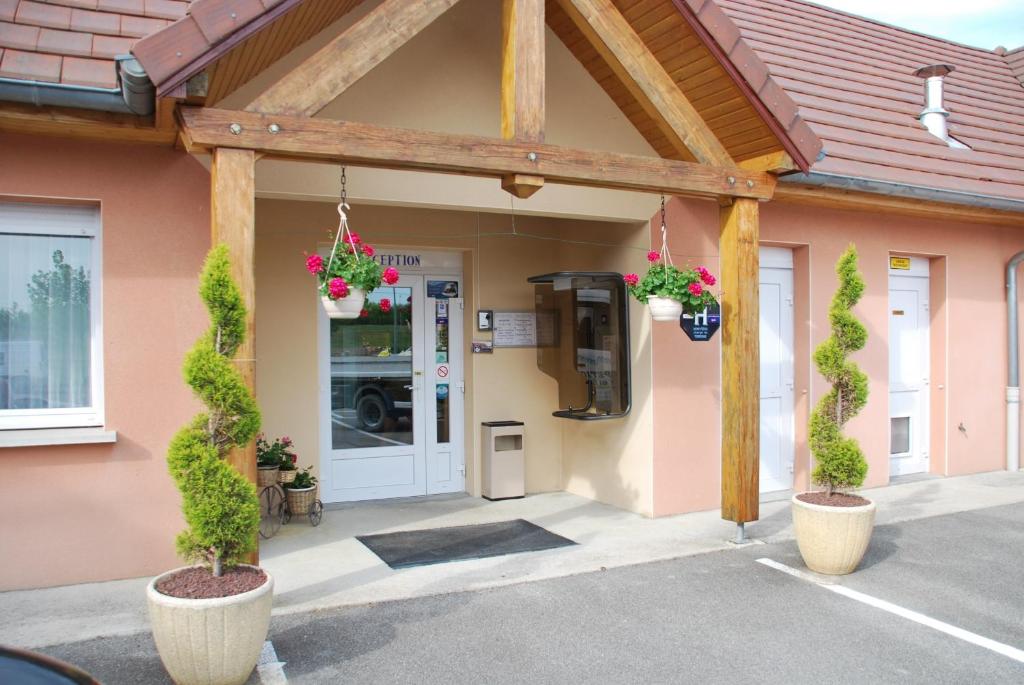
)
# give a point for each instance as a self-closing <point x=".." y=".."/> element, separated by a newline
<point x="1013" y="367"/>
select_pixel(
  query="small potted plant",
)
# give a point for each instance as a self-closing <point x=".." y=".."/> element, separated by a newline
<point x="348" y="274"/>
<point x="301" y="491"/>
<point x="670" y="292"/>
<point x="833" y="527"/>
<point x="210" y="620"/>
<point x="267" y="462"/>
<point x="288" y="469"/>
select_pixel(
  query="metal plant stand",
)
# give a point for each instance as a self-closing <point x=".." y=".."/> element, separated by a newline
<point x="309" y="506"/>
<point x="273" y="510"/>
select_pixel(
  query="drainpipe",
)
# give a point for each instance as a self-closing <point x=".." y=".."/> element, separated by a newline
<point x="1013" y="367"/>
<point x="134" y="93"/>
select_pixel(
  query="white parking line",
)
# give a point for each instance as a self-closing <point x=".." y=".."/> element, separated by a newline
<point x="941" y="626"/>
<point x="270" y="669"/>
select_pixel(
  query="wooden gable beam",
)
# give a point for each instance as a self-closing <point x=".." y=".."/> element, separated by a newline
<point x="639" y="70"/>
<point x="294" y="137"/>
<point x="774" y="162"/>
<point x="326" y="74"/>
<point x="522" y="83"/>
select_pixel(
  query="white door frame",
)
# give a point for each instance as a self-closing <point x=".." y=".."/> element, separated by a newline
<point x="431" y="475"/>
<point x="416" y="451"/>
<point x="910" y="398"/>
<point x="776" y="268"/>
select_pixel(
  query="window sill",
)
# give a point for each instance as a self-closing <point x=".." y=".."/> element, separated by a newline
<point x="56" y="436"/>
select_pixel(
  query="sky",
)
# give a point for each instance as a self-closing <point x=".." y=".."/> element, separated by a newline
<point x="981" y="23"/>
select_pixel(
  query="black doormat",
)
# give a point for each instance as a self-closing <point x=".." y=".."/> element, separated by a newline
<point x="457" y="543"/>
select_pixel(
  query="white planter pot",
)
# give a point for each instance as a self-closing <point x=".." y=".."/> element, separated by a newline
<point x="664" y="308"/>
<point x="832" y="540"/>
<point x="347" y="307"/>
<point x="210" y="641"/>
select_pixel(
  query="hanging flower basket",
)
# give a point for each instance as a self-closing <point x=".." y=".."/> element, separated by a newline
<point x="349" y="273"/>
<point x="670" y="292"/>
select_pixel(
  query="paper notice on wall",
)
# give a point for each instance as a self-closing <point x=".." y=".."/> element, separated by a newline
<point x="515" y="329"/>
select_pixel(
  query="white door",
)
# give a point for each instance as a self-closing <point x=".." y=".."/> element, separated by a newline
<point x="908" y="366"/>
<point x="776" y="353"/>
<point x="386" y="430"/>
<point x="445" y="385"/>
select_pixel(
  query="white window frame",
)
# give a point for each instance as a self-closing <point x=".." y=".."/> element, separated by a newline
<point x="76" y="220"/>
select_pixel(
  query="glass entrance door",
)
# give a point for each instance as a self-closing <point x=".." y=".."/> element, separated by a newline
<point x="372" y="393"/>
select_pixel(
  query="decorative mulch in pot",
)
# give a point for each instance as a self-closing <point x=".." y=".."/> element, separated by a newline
<point x="200" y="583"/>
<point x="836" y="499"/>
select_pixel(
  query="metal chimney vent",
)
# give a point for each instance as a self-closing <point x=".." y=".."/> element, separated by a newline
<point x="934" y="115"/>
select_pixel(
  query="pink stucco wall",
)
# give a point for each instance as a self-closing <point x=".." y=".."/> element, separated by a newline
<point x="94" y="512"/>
<point x="968" y="345"/>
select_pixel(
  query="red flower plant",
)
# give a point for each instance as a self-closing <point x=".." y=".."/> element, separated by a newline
<point x="368" y="250"/>
<point x="385" y="305"/>
<point x="338" y="288"/>
<point x="390" y="276"/>
<point x="653" y="256"/>
<point x="696" y="289"/>
<point x="363" y="313"/>
<point x="631" y="279"/>
<point x="314" y="264"/>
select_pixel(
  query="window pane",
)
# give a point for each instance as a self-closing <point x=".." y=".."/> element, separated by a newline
<point x="900" y="441"/>
<point x="45" y="337"/>
<point x="371" y="373"/>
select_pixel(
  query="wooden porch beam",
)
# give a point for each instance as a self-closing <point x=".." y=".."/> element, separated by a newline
<point x="233" y="216"/>
<point x="326" y="74"/>
<point x="326" y="140"/>
<point x="522" y="70"/>
<point x="522" y="83"/>
<point x="643" y="75"/>
<point x="774" y="163"/>
<point x="740" y="276"/>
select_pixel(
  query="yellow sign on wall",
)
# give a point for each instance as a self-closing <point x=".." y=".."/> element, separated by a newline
<point x="899" y="263"/>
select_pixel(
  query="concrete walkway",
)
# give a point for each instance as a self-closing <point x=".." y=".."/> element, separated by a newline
<point x="325" y="567"/>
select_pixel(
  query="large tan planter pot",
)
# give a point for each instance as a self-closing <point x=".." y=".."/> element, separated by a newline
<point x="832" y="540"/>
<point x="210" y="641"/>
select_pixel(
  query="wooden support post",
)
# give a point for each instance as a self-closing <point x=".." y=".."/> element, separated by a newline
<point x="522" y="84"/>
<point x="740" y="360"/>
<point x="233" y="215"/>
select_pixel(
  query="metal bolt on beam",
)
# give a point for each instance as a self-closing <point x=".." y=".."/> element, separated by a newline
<point x="235" y="129"/>
<point x="532" y="156"/>
<point x="273" y="128"/>
<point x="731" y="180"/>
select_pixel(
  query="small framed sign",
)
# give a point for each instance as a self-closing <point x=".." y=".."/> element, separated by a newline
<point x="901" y="263"/>
<point x="484" y="320"/>
<point x="702" y="327"/>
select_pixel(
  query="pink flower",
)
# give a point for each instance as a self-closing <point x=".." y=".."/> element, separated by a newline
<point x="631" y="279"/>
<point x="367" y="250"/>
<point x="390" y="276"/>
<point x="351" y="238"/>
<point x="385" y="305"/>
<point x="314" y="264"/>
<point x="696" y="288"/>
<point x="363" y="313"/>
<point x="337" y="288"/>
<point x="286" y="441"/>
<point x="653" y="256"/>
<point x="705" y="276"/>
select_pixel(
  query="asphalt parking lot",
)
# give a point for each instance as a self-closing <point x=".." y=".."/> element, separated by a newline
<point x="716" y="618"/>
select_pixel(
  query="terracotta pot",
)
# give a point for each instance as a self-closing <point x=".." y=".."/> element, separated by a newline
<point x="347" y="307"/>
<point x="832" y="540"/>
<point x="266" y="475"/>
<point x="210" y="641"/>
<point x="664" y="308"/>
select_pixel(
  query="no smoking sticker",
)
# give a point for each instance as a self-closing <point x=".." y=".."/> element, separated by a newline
<point x="442" y="371"/>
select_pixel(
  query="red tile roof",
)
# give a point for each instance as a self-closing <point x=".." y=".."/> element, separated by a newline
<point x="853" y="81"/>
<point x="75" y="41"/>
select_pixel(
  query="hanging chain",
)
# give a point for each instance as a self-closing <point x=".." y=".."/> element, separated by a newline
<point x="666" y="256"/>
<point x="343" y="222"/>
<point x="344" y="190"/>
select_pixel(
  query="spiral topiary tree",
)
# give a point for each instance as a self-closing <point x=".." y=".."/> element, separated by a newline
<point x="220" y="505"/>
<point x="840" y="462"/>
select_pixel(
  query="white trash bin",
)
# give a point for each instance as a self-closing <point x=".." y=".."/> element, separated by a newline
<point x="504" y="460"/>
